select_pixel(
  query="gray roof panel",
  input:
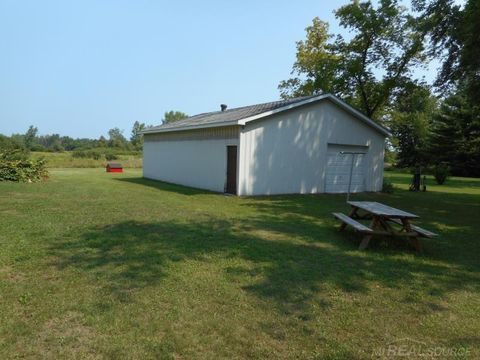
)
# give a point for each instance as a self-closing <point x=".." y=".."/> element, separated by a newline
<point x="241" y="115"/>
<point x="228" y="115"/>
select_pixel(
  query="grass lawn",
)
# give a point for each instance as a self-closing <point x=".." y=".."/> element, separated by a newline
<point x="97" y="265"/>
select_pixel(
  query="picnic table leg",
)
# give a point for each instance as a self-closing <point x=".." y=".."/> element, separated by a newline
<point x="364" y="243"/>
<point x="415" y="240"/>
<point x="416" y="244"/>
<point x="353" y="212"/>
<point x="366" y="239"/>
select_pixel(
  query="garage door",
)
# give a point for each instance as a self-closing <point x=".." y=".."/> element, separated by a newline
<point x="339" y="162"/>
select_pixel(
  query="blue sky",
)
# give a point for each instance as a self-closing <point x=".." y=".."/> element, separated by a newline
<point x="79" y="68"/>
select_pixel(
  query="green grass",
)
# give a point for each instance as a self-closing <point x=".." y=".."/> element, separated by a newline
<point x="97" y="265"/>
<point x="65" y="160"/>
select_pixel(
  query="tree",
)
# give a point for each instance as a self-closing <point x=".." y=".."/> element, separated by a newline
<point x="102" y="142"/>
<point x="455" y="136"/>
<point x="454" y="36"/>
<point x="30" y="137"/>
<point x="410" y="122"/>
<point x="369" y="69"/>
<point x="137" y="138"/>
<point x="171" y="116"/>
<point x="116" y="138"/>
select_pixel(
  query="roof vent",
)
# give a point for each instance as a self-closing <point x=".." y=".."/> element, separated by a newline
<point x="223" y="107"/>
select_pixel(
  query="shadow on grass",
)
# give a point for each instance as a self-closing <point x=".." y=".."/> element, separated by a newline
<point x="164" y="186"/>
<point x="451" y="215"/>
<point x="132" y="255"/>
<point x="454" y="183"/>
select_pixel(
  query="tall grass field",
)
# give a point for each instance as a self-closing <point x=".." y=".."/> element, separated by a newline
<point x="66" y="160"/>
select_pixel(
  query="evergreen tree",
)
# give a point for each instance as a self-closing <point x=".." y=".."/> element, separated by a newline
<point x="455" y="136"/>
<point x="410" y="122"/>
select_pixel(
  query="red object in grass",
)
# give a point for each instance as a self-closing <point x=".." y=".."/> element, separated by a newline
<point x="114" y="167"/>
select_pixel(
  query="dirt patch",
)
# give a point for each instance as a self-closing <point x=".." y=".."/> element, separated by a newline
<point x="8" y="273"/>
<point x="65" y="337"/>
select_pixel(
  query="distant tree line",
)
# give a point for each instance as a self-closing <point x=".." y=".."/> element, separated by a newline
<point x="116" y="141"/>
<point x="373" y="70"/>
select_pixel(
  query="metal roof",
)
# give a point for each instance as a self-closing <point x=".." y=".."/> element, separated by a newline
<point x="242" y="115"/>
<point x="114" y="165"/>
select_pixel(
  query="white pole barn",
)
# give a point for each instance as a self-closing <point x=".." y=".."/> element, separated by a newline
<point x="296" y="146"/>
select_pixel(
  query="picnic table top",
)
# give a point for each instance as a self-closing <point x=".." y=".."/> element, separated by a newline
<point x="382" y="210"/>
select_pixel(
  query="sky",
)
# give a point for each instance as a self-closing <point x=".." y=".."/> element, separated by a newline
<point x="79" y="68"/>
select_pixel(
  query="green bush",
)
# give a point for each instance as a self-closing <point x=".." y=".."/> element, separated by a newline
<point x="12" y="150"/>
<point x="38" y="147"/>
<point x="387" y="187"/>
<point x="13" y="154"/>
<point x="22" y="170"/>
<point x="440" y="173"/>
<point x="110" y="156"/>
<point x="86" y="154"/>
<point x="117" y="151"/>
<point x="79" y="154"/>
<point x="95" y="155"/>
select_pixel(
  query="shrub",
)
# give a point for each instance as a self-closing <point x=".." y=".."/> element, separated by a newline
<point x="12" y="150"/>
<point x="440" y="173"/>
<point x="38" y="147"/>
<point x="110" y="156"/>
<point x="57" y="147"/>
<point x="22" y="170"/>
<point x="13" y="154"/>
<point x="95" y="155"/>
<point x="387" y="187"/>
<point x="79" y="154"/>
<point x="86" y="154"/>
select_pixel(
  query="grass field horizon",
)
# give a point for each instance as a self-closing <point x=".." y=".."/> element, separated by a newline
<point x="64" y="159"/>
<point x="97" y="265"/>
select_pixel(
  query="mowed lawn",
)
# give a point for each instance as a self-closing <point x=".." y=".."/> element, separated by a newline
<point x="97" y="265"/>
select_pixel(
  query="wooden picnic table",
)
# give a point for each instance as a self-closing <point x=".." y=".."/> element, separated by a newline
<point x="382" y="217"/>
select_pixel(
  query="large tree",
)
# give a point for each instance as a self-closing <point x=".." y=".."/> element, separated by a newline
<point x="454" y="37"/>
<point x="116" y="138"/>
<point x="456" y="135"/>
<point x="410" y="121"/>
<point x="367" y="69"/>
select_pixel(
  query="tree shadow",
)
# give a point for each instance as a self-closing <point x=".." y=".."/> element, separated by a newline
<point x="290" y="272"/>
<point x="164" y="186"/>
<point x="447" y="214"/>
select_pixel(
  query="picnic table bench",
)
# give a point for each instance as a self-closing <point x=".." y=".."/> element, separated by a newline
<point x="382" y="217"/>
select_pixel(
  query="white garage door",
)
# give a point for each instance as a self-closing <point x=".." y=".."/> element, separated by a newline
<point x="339" y="163"/>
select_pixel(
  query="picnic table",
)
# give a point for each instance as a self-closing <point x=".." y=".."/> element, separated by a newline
<point x="382" y="218"/>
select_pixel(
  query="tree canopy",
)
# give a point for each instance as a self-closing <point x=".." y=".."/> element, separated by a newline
<point x="171" y="116"/>
<point x="367" y="70"/>
<point x="454" y="37"/>
<point x="136" y="137"/>
<point x="373" y="69"/>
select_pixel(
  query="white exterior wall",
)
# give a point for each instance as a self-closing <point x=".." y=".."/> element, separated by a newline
<point x="192" y="158"/>
<point x="286" y="153"/>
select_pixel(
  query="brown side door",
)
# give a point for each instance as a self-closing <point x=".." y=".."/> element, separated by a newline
<point x="231" y="187"/>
